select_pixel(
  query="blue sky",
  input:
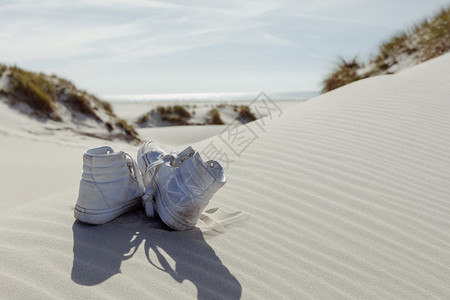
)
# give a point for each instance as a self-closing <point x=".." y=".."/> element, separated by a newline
<point x="112" y="47"/>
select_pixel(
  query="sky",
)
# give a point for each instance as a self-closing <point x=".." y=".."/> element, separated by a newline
<point x="123" y="47"/>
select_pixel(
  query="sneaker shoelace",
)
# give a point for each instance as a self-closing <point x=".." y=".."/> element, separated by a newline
<point x="147" y="198"/>
<point x="175" y="159"/>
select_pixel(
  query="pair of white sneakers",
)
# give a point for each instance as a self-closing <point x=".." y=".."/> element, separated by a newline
<point x="174" y="186"/>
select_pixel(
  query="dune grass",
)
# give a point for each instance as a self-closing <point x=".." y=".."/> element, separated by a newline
<point x="35" y="90"/>
<point x="80" y="103"/>
<point x="345" y="72"/>
<point x="42" y="92"/>
<point x="215" y="117"/>
<point x="143" y="119"/>
<point x="425" y="40"/>
<point x="129" y="130"/>
<point x="245" y="114"/>
<point x="176" y="114"/>
<point x="2" y="69"/>
<point x="46" y="95"/>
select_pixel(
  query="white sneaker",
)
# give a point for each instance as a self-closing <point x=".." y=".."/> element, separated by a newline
<point x="179" y="185"/>
<point x="109" y="186"/>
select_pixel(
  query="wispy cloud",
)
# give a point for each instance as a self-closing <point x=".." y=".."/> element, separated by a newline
<point x="334" y="19"/>
<point x="137" y="3"/>
<point x="48" y="29"/>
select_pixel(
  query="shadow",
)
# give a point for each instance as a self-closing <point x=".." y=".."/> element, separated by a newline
<point x="98" y="251"/>
<point x="185" y="255"/>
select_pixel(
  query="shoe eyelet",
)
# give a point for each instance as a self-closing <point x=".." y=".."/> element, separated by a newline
<point x="211" y="164"/>
<point x="191" y="154"/>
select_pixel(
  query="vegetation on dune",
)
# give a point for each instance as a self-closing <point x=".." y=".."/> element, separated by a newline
<point x="2" y="69"/>
<point x="181" y="111"/>
<point x="176" y="115"/>
<point x="215" y="117"/>
<point x="143" y="119"/>
<point x="425" y="40"/>
<point x="345" y="72"/>
<point x="129" y="130"/>
<point x="179" y="115"/>
<point x="245" y="114"/>
<point x="81" y="104"/>
<point x="106" y="106"/>
<point x="35" y="90"/>
<point x="48" y="95"/>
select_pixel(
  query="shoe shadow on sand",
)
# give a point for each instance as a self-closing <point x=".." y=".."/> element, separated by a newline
<point x="185" y="255"/>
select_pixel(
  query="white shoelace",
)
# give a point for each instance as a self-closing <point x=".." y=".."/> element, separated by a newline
<point x="147" y="199"/>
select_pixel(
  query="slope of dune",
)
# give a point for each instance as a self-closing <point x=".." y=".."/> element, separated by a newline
<point x="423" y="41"/>
<point x="345" y="196"/>
<point x="53" y="103"/>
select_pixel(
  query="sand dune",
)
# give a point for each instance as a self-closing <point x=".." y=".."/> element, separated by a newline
<point x="345" y="196"/>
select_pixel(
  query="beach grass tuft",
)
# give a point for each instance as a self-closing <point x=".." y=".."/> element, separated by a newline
<point x="176" y="114"/>
<point x="344" y="73"/>
<point x="129" y="130"/>
<point x="2" y="69"/>
<point x="143" y="119"/>
<point x="245" y="114"/>
<point x="423" y="41"/>
<point x="215" y="117"/>
<point x="35" y="90"/>
<point x="80" y="103"/>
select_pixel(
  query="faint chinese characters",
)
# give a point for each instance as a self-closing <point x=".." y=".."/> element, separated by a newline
<point x="238" y="136"/>
<point x="212" y="152"/>
<point x="265" y="110"/>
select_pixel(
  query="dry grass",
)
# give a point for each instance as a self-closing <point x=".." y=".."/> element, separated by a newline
<point x="215" y="117"/>
<point x="2" y="69"/>
<point x="131" y="133"/>
<point x="106" y="106"/>
<point x="143" y="119"/>
<point x="45" y="93"/>
<point x="35" y="90"/>
<point x="344" y="73"/>
<point x="424" y="41"/>
<point x="181" y="111"/>
<point x="176" y="114"/>
<point x="245" y="114"/>
<point x="80" y="103"/>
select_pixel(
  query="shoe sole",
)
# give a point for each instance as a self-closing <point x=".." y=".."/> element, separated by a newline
<point x="102" y="216"/>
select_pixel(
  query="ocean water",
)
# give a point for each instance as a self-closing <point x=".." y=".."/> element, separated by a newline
<point x="210" y="97"/>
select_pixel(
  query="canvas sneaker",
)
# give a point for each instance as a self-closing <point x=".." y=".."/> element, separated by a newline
<point x="109" y="186"/>
<point x="178" y="185"/>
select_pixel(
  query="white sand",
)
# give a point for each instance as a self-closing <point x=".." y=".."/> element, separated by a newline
<point x="348" y="196"/>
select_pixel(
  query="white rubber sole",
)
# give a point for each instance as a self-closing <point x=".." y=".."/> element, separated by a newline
<point x="102" y="216"/>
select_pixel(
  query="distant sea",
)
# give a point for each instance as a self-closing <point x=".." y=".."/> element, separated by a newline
<point x="210" y="97"/>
